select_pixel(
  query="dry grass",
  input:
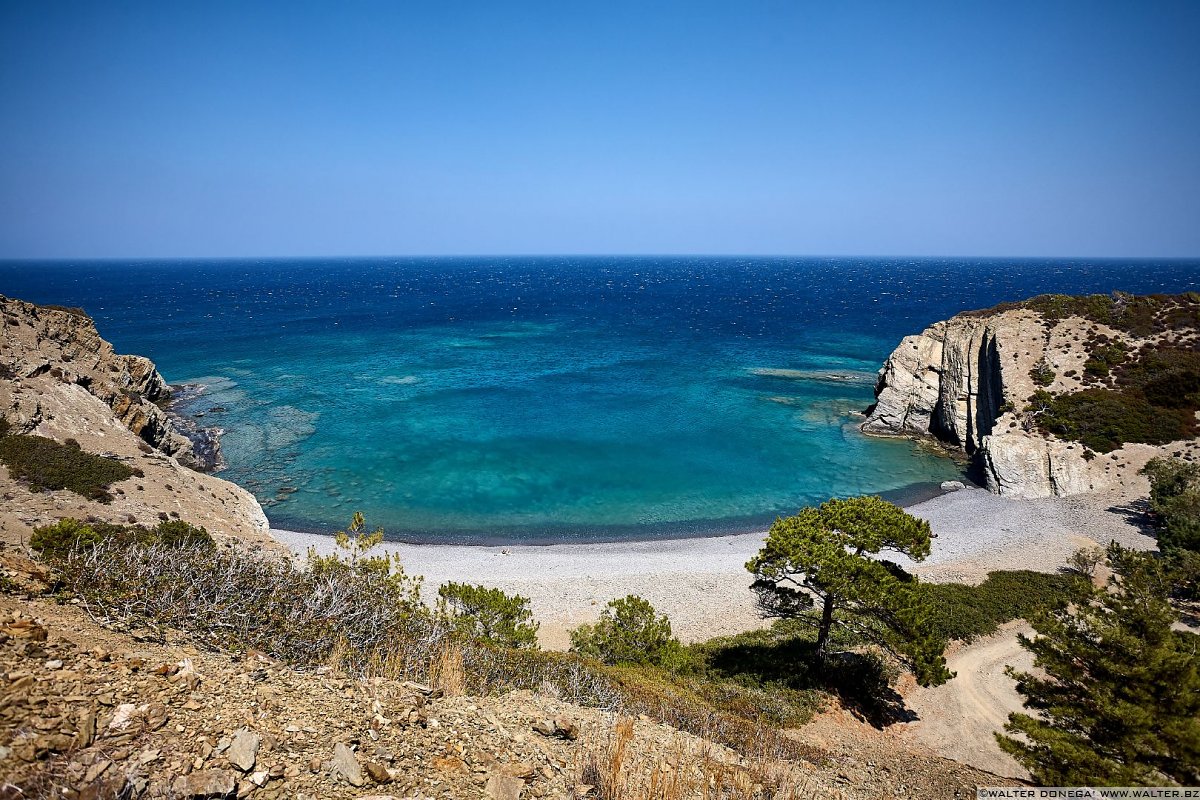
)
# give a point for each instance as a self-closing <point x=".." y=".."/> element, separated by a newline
<point x="447" y="673"/>
<point x="612" y="770"/>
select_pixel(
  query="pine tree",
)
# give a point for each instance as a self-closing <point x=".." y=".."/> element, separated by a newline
<point x="824" y="556"/>
<point x="1119" y="701"/>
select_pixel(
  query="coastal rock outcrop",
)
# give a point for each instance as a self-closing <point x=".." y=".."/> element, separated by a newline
<point x="61" y="380"/>
<point x="969" y="381"/>
<point x="64" y="344"/>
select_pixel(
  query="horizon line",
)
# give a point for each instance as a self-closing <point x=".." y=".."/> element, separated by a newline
<point x="447" y="256"/>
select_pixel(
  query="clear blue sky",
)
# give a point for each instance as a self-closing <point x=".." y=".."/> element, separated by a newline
<point x="355" y="128"/>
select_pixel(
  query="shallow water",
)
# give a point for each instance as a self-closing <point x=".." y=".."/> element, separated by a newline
<point x="535" y="399"/>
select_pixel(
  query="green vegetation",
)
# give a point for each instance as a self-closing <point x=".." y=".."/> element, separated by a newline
<point x="1116" y="700"/>
<point x="47" y="465"/>
<point x="1175" y="503"/>
<point x="629" y="633"/>
<point x="1104" y="359"/>
<point x="960" y="611"/>
<point x="490" y="615"/>
<point x="1042" y="374"/>
<point x="1167" y="377"/>
<point x="1139" y="315"/>
<point x="822" y="555"/>
<point x="1105" y="419"/>
<point x="68" y="536"/>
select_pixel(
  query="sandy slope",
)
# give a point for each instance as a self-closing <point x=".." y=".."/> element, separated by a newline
<point x="959" y="719"/>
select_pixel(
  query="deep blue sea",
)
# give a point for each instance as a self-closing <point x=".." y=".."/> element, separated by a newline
<point x="539" y="399"/>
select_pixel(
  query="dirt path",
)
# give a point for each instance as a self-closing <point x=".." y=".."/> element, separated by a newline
<point x="958" y="720"/>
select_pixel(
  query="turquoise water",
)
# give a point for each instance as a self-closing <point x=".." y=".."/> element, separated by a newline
<point x="547" y="399"/>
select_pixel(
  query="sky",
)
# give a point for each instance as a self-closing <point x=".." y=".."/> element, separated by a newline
<point x="210" y="129"/>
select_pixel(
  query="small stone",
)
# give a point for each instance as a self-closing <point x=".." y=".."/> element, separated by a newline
<point x="418" y="687"/>
<point x="503" y="787"/>
<point x="378" y="772"/>
<point x="54" y="664"/>
<point x="518" y="769"/>
<point x="566" y="728"/>
<point x="345" y="764"/>
<point x="205" y="783"/>
<point x="243" y="750"/>
<point x="96" y="770"/>
<point x="260" y="778"/>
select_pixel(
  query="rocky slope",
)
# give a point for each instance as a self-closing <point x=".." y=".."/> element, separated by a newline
<point x="88" y="712"/>
<point x="968" y="381"/>
<point x="60" y="379"/>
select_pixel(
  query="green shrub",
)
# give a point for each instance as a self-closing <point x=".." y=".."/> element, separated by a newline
<point x="629" y="632"/>
<point x="1175" y="503"/>
<point x="490" y="614"/>
<point x="1042" y="374"/>
<point x="1103" y="359"/>
<point x="177" y="533"/>
<point x="56" y="542"/>
<point x="1138" y="315"/>
<point x="964" y="612"/>
<point x="63" y="537"/>
<point x="47" y="465"/>
<point x="782" y="663"/>
<point x="1104" y="420"/>
<point x="1168" y="377"/>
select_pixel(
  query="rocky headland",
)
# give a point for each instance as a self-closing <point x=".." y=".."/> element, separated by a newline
<point x="984" y="383"/>
<point x="59" y="379"/>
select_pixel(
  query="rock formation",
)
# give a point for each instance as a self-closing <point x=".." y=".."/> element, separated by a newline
<point x="60" y="379"/>
<point x="968" y="381"/>
<point x="64" y="344"/>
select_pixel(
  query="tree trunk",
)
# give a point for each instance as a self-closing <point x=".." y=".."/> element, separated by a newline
<point x="826" y="624"/>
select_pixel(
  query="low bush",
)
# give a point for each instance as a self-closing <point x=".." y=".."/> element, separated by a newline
<point x="1140" y="315"/>
<point x="1042" y="374"/>
<point x="964" y="612"/>
<point x="67" y="536"/>
<point x="629" y="632"/>
<point x="781" y="663"/>
<point x="490" y="614"/>
<point x="1167" y="377"/>
<point x="1104" y="358"/>
<point x="1104" y="419"/>
<point x="47" y="465"/>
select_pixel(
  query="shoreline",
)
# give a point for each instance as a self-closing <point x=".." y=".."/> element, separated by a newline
<point x="904" y="496"/>
<point x="701" y="584"/>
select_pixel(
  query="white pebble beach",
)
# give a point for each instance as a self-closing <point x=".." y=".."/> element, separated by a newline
<point x="702" y="583"/>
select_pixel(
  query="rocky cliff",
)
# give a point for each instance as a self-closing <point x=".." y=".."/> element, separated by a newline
<point x="64" y="344"/>
<point x="60" y="379"/>
<point x="968" y="382"/>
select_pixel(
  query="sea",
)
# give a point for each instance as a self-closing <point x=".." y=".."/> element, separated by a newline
<point x="549" y="399"/>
